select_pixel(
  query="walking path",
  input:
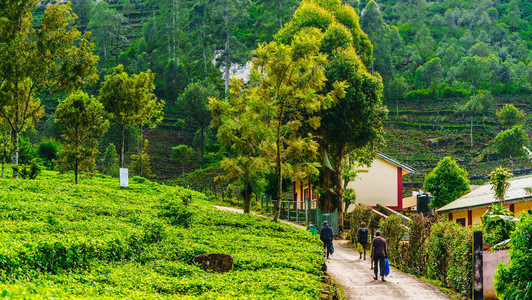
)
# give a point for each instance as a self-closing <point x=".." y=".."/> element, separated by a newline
<point x="356" y="277"/>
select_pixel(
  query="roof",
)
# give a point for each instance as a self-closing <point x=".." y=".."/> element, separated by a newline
<point x="396" y="163"/>
<point x="484" y="196"/>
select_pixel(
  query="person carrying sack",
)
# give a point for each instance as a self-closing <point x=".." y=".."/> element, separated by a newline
<point x="362" y="238"/>
<point x="379" y="253"/>
<point x="326" y="236"/>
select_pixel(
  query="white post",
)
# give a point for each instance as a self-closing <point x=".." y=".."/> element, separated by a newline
<point x="124" y="177"/>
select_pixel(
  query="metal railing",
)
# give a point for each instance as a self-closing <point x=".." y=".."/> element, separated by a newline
<point x="299" y="212"/>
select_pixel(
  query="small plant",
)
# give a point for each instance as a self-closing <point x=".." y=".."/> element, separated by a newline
<point x="28" y="171"/>
<point x="498" y="224"/>
<point x="499" y="180"/>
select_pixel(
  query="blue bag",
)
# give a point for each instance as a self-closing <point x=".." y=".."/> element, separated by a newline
<point x="386" y="267"/>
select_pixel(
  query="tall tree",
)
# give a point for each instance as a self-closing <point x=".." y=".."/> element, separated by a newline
<point x="477" y="105"/>
<point x="230" y="13"/>
<point x="446" y="182"/>
<point x="284" y="89"/>
<point x="109" y="28"/>
<point x="130" y="101"/>
<point x="5" y="137"/>
<point x="194" y="101"/>
<point x="82" y="124"/>
<point x="83" y="8"/>
<point x="474" y="70"/>
<point x="52" y="57"/>
<point x="355" y="121"/>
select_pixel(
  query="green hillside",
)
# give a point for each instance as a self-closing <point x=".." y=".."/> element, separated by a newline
<point x="96" y="240"/>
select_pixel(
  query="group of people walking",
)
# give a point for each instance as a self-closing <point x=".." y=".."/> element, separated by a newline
<point x="379" y="250"/>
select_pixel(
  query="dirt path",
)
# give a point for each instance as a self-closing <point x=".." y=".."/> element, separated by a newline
<point x="357" y="278"/>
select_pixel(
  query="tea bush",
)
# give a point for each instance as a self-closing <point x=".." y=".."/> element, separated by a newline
<point x="97" y="240"/>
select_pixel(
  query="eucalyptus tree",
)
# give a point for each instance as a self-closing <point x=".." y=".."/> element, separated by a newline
<point x="39" y="59"/>
<point x="228" y="14"/>
<point x="355" y="121"/>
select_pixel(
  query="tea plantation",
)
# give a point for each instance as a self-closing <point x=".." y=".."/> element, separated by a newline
<point x="97" y="240"/>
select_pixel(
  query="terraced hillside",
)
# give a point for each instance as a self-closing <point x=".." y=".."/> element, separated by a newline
<point x="423" y="132"/>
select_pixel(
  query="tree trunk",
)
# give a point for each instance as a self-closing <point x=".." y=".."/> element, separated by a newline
<point x="76" y="171"/>
<point x="471" y="132"/>
<point x="227" y="63"/>
<point x="202" y="148"/>
<point x="4" y="157"/>
<point x="247" y="196"/>
<point x="123" y="147"/>
<point x="15" y="152"/>
<point x="340" y="186"/>
<point x="278" y="169"/>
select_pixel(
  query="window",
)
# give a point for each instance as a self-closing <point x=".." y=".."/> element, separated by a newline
<point x="461" y="221"/>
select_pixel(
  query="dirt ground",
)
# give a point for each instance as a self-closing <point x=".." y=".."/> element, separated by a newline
<point x="356" y="277"/>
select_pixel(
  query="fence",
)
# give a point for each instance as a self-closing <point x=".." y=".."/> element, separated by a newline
<point x="299" y="212"/>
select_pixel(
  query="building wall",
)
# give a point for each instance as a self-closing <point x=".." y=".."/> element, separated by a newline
<point x="477" y="213"/>
<point x="378" y="185"/>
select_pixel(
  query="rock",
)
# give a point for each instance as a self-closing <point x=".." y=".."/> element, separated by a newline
<point x="216" y="262"/>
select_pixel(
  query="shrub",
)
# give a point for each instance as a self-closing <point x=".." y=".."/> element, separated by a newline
<point x="497" y="223"/>
<point x="460" y="268"/>
<point x="439" y="246"/>
<point x="393" y="229"/>
<point x="514" y="280"/>
<point x="48" y="150"/>
<point x="110" y="161"/>
<point x="416" y="254"/>
<point x="419" y="94"/>
<point x="449" y="92"/>
<point x="361" y="213"/>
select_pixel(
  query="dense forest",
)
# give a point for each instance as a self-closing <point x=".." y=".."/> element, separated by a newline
<point x="447" y="67"/>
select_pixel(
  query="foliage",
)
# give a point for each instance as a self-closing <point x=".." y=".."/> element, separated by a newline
<point x="140" y="163"/>
<point x="30" y="171"/>
<point x="509" y="143"/>
<point x="513" y="280"/>
<point x="48" y="150"/>
<point x="129" y="100"/>
<point x="82" y="124"/>
<point x="194" y="101"/>
<point x="498" y="223"/>
<point x="361" y="213"/>
<point x="499" y="181"/>
<point x="460" y="266"/>
<point x="282" y="93"/>
<point x="39" y="59"/>
<point x="447" y="182"/>
<point x="393" y="229"/>
<point x="439" y="246"/>
<point x="416" y="256"/>
<point x="183" y="155"/>
<point x="110" y="161"/>
<point x="510" y="116"/>
<point x="107" y="241"/>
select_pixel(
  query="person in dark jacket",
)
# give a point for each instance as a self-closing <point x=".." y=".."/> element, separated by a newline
<point x="362" y="238"/>
<point x="326" y="236"/>
<point x="379" y="252"/>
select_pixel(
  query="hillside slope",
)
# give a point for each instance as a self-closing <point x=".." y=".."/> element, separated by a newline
<point x="96" y="240"/>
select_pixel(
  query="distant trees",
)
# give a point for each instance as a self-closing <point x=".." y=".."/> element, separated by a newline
<point x="183" y="155"/>
<point x="110" y="161"/>
<point x="193" y="101"/>
<point x="480" y="104"/>
<point x="82" y="124"/>
<point x="37" y="62"/>
<point x="446" y="182"/>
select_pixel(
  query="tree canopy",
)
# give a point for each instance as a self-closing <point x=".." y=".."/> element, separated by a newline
<point x="446" y="182"/>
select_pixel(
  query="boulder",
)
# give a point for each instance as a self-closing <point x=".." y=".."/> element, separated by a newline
<point x="216" y="262"/>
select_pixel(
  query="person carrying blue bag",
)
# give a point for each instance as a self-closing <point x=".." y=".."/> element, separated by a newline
<point x="379" y="255"/>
